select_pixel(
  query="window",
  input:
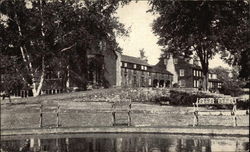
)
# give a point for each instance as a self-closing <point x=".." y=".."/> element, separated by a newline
<point x="142" y="67"/>
<point x="214" y="76"/>
<point x="195" y="83"/>
<point x="134" y="66"/>
<point x="182" y="83"/>
<point x="198" y="83"/>
<point x="181" y="72"/>
<point x="175" y="61"/>
<point x="125" y="65"/>
<point x="194" y="72"/>
<point x="210" y="85"/>
<point x="146" y="68"/>
<point x="219" y="85"/>
<point x="199" y="73"/>
<point x="149" y="82"/>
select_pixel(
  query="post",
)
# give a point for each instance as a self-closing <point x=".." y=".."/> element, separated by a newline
<point x="129" y="114"/>
<point x="41" y="116"/>
<point x="196" y="118"/>
<point x="234" y="115"/>
<point x="194" y="121"/>
<point x="113" y="113"/>
<point x="57" y="116"/>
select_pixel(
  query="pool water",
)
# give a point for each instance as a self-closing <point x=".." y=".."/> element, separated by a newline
<point x="122" y="143"/>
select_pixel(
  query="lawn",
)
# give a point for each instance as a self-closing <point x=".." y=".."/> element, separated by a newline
<point x="24" y="112"/>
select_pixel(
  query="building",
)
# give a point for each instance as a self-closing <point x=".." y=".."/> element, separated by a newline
<point x="188" y="73"/>
<point x="137" y="72"/>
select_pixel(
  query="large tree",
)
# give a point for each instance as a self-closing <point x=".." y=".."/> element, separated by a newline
<point x="202" y="28"/>
<point x="56" y="35"/>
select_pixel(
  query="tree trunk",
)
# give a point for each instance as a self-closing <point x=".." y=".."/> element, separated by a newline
<point x="27" y="61"/>
<point x="205" y="81"/>
<point x="203" y="56"/>
<point x="36" y="91"/>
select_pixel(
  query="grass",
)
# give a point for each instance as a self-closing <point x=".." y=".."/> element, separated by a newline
<point x="24" y="112"/>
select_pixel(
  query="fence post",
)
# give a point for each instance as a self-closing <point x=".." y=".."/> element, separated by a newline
<point x="113" y="114"/>
<point x="129" y="113"/>
<point x="57" y="116"/>
<point x="234" y="115"/>
<point x="196" y="117"/>
<point x="41" y="117"/>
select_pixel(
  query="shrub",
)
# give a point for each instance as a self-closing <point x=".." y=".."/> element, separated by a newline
<point x="243" y="104"/>
<point x="186" y="98"/>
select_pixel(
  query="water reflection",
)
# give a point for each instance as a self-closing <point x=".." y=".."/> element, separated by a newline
<point x="131" y="143"/>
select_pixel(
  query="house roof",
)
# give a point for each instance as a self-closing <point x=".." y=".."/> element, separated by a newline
<point x="131" y="59"/>
<point x="195" y="66"/>
<point x="161" y="68"/>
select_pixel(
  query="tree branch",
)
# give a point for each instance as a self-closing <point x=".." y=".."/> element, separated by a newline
<point x="67" y="48"/>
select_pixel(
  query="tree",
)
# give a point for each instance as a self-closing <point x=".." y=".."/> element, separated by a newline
<point x="142" y="54"/>
<point x="230" y="83"/>
<point x="9" y="69"/>
<point x="56" y="35"/>
<point x="203" y="28"/>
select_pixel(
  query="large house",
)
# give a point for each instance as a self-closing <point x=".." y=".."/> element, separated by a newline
<point x="137" y="72"/>
<point x="188" y="73"/>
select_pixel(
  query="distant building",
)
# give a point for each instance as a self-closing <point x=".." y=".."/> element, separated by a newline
<point x="188" y="74"/>
<point x="137" y="72"/>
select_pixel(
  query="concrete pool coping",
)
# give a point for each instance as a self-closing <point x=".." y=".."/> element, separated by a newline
<point x="198" y="130"/>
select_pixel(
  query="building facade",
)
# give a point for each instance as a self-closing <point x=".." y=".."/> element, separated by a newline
<point x="136" y="72"/>
<point x="188" y="73"/>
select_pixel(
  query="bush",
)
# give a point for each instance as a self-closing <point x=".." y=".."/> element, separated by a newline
<point x="181" y="98"/>
<point x="243" y="104"/>
<point x="186" y="98"/>
<point x="233" y="91"/>
<point x="135" y="94"/>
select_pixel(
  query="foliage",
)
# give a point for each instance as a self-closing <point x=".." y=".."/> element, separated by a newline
<point x="53" y="35"/>
<point x="202" y="28"/>
<point x="142" y="54"/>
<point x="135" y="94"/>
<point x="244" y="63"/>
<point x="231" y="85"/>
<point x="185" y="98"/>
<point x="10" y="79"/>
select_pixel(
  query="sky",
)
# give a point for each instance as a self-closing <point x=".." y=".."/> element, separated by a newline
<point x="141" y="36"/>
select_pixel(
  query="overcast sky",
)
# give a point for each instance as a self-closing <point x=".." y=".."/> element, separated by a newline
<point x="141" y="36"/>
